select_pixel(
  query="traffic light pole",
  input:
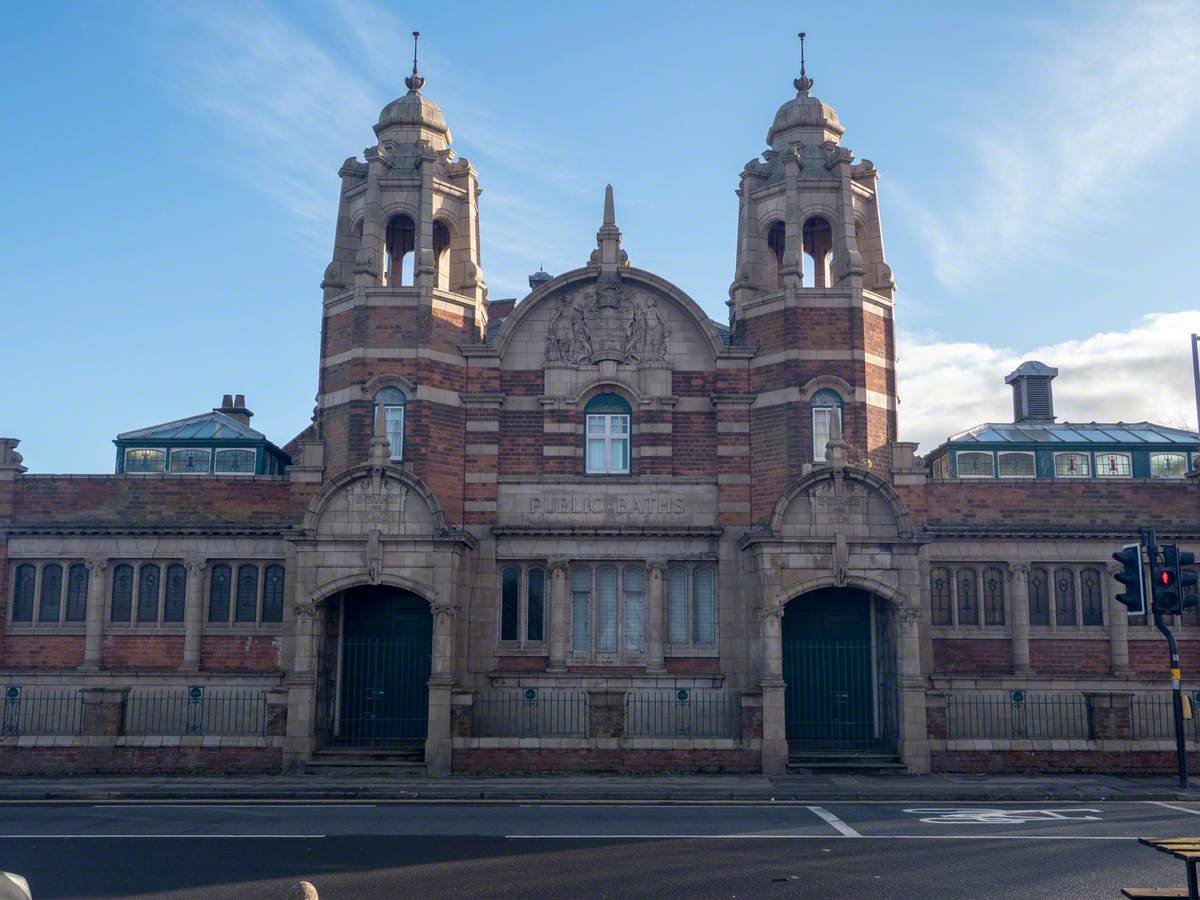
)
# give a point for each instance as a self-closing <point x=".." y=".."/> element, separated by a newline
<point x="1176" y="692"/>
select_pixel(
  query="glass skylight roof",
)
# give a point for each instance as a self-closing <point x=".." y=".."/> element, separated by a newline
<point x="1141" y="433"/>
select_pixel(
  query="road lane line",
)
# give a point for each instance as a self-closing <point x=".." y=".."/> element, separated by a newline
<point x="1193" y="812"/>
<point x="232" y="806"/>
<point x="842" y="828"/>
<point x="40" y="837"/>
<point x="820" y="837"/>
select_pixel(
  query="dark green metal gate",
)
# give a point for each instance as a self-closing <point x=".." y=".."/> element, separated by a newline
<point x="385" y="664"/>
<point x="828" y="667"/>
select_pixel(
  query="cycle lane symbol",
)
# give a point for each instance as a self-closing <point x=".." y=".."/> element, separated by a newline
<point x="939" y="815"/>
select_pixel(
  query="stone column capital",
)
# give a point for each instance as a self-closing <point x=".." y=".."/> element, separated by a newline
<point x="96" y="565"/>
<point x="195" y="566"/>
<point x="657" y="567"/>
<point x="443" y="612"/>
<point x="770" y="612"/>
<point x="558" y="566"/>
<point x="1018" y="570"/>
<point x="305" y="611"/>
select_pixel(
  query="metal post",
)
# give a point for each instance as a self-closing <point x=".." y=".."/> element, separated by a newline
<point x="1176" y="694"/>
<point x="1196" y="373"/>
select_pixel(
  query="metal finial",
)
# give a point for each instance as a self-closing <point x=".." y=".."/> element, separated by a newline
<point x="415" y="82"/>
<point x="803" y="83"/>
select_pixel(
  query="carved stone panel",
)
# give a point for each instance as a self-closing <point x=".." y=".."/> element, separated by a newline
<point x="376" y="504"/>
<point x="607" y="321"/>
<point x="840" y="505"/>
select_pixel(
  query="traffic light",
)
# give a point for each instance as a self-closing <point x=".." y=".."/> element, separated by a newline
<point x="1164" y="580"/>
<point x="1184" y="578"/>
<point x="1134" y="598"/>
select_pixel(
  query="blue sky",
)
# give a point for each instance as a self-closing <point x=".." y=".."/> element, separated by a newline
<point x="168" y="184"/>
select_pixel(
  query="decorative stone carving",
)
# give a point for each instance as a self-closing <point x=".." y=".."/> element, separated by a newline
<point x="610" y="322"/>
<point x="908" y="613"/>
<point x="373" y="557"/>
<point x="443" y="612"/>
<point x="770" y="612"/>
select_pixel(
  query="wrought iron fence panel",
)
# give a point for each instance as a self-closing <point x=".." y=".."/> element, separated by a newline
<point x="1017" y="715"/>
<point x="1152" y="717"/>
<point x="530" y="712"/>
<point x="41" y="710"/>
<point x="682" y="713"/>
<point x="196" y="710"/>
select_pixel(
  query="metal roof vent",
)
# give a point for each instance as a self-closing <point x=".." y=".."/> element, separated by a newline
<point x="1032" y="397"/>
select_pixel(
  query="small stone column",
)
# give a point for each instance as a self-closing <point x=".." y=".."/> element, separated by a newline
<point x="1118" y="629"/>
<point x="193" y="615"/>
<point x="774" y="745"/>
<point x="656" y="572"/>
<point x="93" y="643"/>
<point x="1110" y="715"/>
<point x="560" y="632"/>
<point x="1018" y="581"/>
<point x="441" y="683"/>
<point x="301" y="682"/>
<point x="103" y="712"/>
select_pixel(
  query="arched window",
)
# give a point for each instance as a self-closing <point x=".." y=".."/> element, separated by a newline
<point x="273" y="594"/>
<point x="776" y="235"/>
<point x="51" y="597"/>
<point x="441" y="255"/>
<point x="401" y="244"/>
<point x="393" y="402"/>
<point x="826" y="420"/>
<point x="1064" y="597"/>
<point x="246" y="609"/>
<point x="77" y="591"/>
<point x="677" y="605"/>
<point x="121" y="608"/>
<point x="968" y="597"/>
<point x="176" y="593"/>
<point x="993" y="597"/>
<point x="705" y="589"/>
<point x="635" y="608"/>
<point x="1092" y="594"/>
<point x="1039" y="597"/>
<point x="939" y="597"/>
<point x="818" y="247"/>
<point x="607" y="420"/>
<point x="147" y="605"/>
<point x="510" y="604"/>
<point x="581" y="609"/>
<point x="218" y="594"/>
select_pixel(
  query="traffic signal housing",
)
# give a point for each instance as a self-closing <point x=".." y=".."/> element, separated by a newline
<point x="1164" y="580"/>
<point x="1130" y="577"/>
<point x="1185" y="578"/>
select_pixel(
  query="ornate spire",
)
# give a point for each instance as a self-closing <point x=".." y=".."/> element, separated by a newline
<point x="610" y="214"/>
<point x="803" y="83"/>
<point x="415" y="82"/>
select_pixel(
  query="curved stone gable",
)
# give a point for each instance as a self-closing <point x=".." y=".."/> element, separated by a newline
<point x="842" y="500"/>
<point x="366" y="499"/>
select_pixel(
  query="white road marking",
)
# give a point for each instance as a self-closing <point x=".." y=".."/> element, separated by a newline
<point x="822" y="837"/>
<point x="1194" y="812"/>
<point x="958" y="815"/>
<point x="842" y="828"/>
<point x="39" y="837"/>
<point x="250" y="805"/>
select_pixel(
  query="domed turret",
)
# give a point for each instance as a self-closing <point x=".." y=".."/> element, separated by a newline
<point x="804" y="119"/>
<point x="413" y="118"/>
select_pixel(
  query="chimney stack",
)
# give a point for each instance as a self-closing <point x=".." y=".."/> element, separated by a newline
<point x="234" y="406"/>
<point x="1033" y="401"/>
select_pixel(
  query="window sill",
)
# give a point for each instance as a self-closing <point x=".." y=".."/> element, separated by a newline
<point x="242" y="628"/>
<point x="505" y="648"/>
<point x="73" y="628"/>
<point x="686" y="650"/>
<point x="173" y="628"/>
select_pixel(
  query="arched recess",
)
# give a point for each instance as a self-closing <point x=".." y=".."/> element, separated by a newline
<point x="443" y="237"/>
<point x="869" y="482"/>
<point x="331" y="589"/>
<point x="400" y="250"/>
<point x="776" y="237"/>
<point x="340" y="483"/>
<point x="827" y="382"/>
<point x="817" y="237"/>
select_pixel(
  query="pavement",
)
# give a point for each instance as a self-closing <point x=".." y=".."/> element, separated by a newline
<point x="222" y="850"/>
<point x="574" y="788"/>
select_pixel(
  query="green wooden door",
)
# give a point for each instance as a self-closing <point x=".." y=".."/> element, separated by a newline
<point x="387" y="649"/>
<point x="830" y="697"/>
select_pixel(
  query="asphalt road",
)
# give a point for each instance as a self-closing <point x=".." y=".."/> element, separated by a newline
<point x="362" y="851"/>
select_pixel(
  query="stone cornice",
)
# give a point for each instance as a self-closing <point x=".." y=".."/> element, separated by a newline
<point x="284" y="531"/>
<point x="616" y="531"/>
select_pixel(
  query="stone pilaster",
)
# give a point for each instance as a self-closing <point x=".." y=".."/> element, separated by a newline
<point x="560" y="632"/>
<point x="193" y="615"/>
<point x="1018" y="582"/>
<point x="93" y="645"/>
<point x="656" y="572"/>
<point x="1118" y="629"/>
<point x="302" y="696"/>
<point x="774" y="745"/>
<point x="441" y="685"/>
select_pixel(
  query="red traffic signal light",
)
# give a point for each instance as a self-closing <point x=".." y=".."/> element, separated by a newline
<point x="1166" y="577"/>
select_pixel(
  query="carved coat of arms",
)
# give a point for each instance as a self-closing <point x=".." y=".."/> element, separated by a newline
<point x="607" y="321"/>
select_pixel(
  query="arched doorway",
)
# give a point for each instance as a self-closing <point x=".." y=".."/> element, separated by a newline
<point x="384" y="656"/>
<point x="839" y="665"/>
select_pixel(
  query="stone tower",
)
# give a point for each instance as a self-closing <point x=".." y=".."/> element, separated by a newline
<point x="403" y="291"/>
<point x="813" y="291"/>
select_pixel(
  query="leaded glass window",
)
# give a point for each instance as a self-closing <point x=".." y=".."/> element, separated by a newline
<point x="394" y="403"/>
<point x="1016" y="465"/>
<point x="1039" y="597"/>
<point x="1113" y="465"/>
<point x="939" y="597"/>
<point x="147" y="605"/>
<point x="677" y="605"/>
<point x="607" y="423"/>
<point x="235" y="462"/>
<point x="190" y="461"/>
<point x="975" y="464"/>
<point x="77" y="593"/>
<point x="176" y="593"/>
<point x="606" y="610"/>
<point x="993" y="597"/>
<point x="635" y="608"/>
<point x="121" y="608"/>
<point x="218" y="593"/>
<point x="1168" y="465"/>
<point x="1064" y="597"/>
<point x="246" y="609"/>
<point x="140" y="460"/>
<point x="826" y="420"/>
<point x="23" y="586"/>
<point x="50" y="601"/>
<point x="273" y="594"/>
<point x="510" y="603"/>
<point x="1072" y="465"/>
<point x="1092" y="594"/>
<point x="705" y="588"/>
<point x="581" y="609"/>
<point x="968" y="597"/>
<point x="535" y="606"/>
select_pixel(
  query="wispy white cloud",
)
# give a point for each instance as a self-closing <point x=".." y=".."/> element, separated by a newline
<point x="1072" y="129"/>
<point x="289" y="98"/>
<point x="1143" y="374"/>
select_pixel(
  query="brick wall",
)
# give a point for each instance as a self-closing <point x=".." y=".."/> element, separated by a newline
<point x="1062" y="657"/>
<point x="41" y="651"/>
<point x="971" y="657"/>
<point x="239" y="653"/>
